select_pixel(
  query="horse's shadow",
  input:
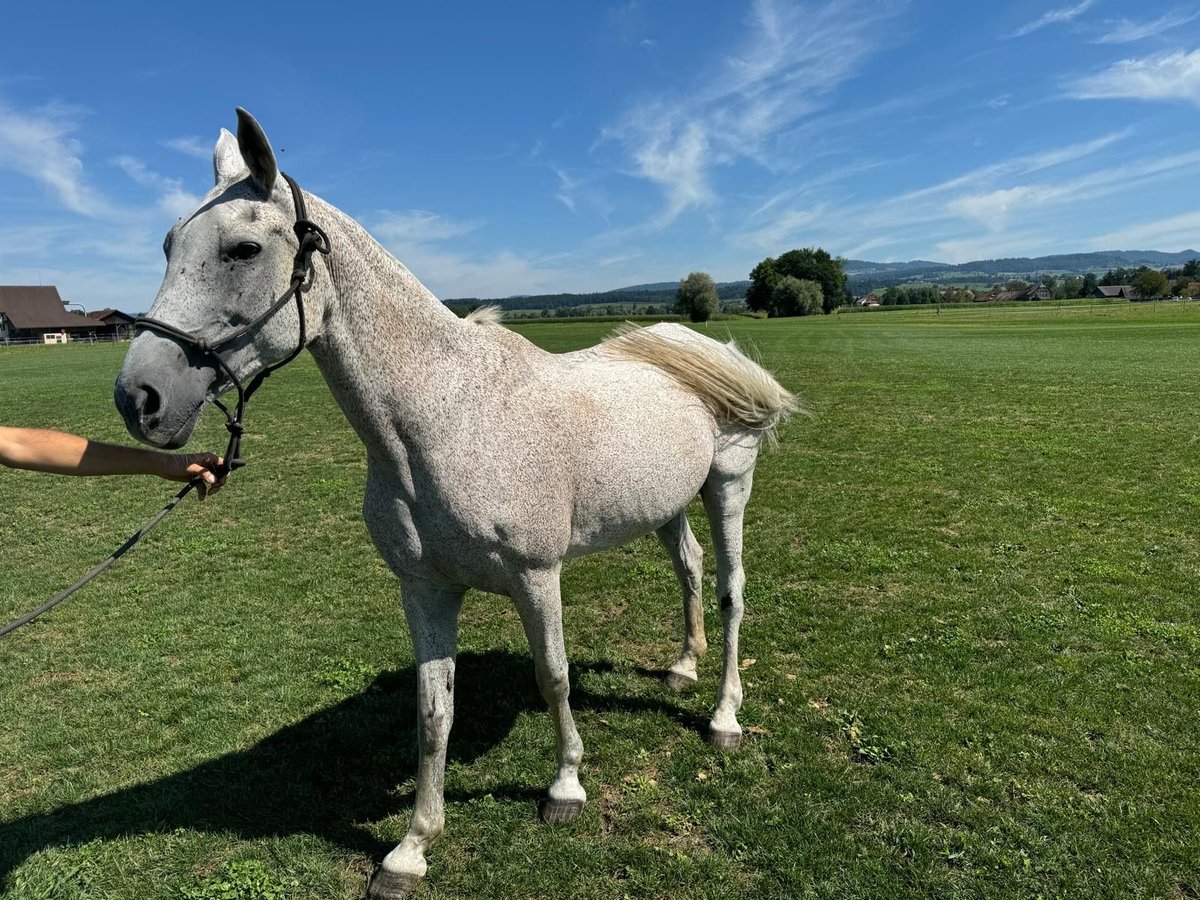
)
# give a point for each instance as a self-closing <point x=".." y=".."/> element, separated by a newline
<point x="325" y="775"/>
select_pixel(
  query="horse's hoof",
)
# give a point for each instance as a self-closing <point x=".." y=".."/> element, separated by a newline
<point x="680" y="683"/>
<point x="724" y="740"/>
<point x="387" y="885"/>
<point x="556" y="812"/>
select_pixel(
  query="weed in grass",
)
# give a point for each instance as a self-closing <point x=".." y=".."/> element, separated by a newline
<point x="346" y="675"/>
<point x="245" y="879"/>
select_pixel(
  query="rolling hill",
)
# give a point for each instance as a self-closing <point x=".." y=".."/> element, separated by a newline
<point x="865" y="275"/>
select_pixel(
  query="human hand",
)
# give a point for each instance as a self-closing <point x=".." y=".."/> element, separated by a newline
<point x="198" y="467"/>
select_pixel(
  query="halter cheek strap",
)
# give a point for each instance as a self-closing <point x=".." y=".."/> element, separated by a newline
<point x="311" y="240"/>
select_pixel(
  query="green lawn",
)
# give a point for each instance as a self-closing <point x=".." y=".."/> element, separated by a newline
<point x="970" y="648"/>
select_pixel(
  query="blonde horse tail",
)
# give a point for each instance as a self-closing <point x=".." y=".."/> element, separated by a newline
<point x="735" y="389"/>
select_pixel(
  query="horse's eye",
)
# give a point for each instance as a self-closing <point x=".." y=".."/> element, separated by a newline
<point x="245" y="250"/>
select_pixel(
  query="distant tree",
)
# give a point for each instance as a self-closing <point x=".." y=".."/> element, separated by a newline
<point x="1119" y="275"/>
<point x="1090" y="284"/>
<point x="1150" y="283"/>
<point x="808" y="264"/>
<point x="796" y="297"/>
<point x="763" y="279"/>
<point x="957" y="295"/>
<point x="1191" y="269"/>
<point x="1016" y="284"/>
<point x="1050" y="282"/>
<point x="815" y="264"/>
<point x="696" y="297"/>
<point x="1070" y="288"/>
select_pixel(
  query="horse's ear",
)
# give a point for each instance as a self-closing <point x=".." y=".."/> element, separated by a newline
<point x="257" y="153"/>
<point x="227" y="158"/>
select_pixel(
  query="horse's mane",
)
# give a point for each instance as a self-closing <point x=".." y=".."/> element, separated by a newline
<point x="485" y="315"/>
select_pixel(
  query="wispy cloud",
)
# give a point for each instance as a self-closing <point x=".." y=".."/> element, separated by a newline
<point x="783" y="228"/>
<point x="1173" y="232"/>
<point x="39" y="144"/>
<point x="416" y="226"/>
<point x="1013" y="206"/>
<point x="22" y="243"/>
<point x="191" y="146"/>
<point x="1126" y="31"/>
<point x="793" y="57"/>
<point x="630" y="23"/>
<point x="1164" y="76"/>
<point x="172" y="198"/>
<point x="858" y="251"/>
<point x="993" y="208"/>
<point x="1053" y="17"/>
<point x="418" y="238"/>
<point x="1017" y="166"/>
<point x="566" y="188"/>
<point x="960" y="250"/>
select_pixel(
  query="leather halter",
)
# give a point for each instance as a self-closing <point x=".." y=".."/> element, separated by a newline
<point x="311" y="240"/>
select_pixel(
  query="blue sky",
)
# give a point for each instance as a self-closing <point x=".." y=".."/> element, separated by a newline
<point x="519" y="147"/>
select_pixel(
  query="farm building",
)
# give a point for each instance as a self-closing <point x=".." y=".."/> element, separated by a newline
<point x="1117" y="292"/>
<point x="119" y="324"/>
<point x="1033" y="292"/>
<point x="33" y="312"/>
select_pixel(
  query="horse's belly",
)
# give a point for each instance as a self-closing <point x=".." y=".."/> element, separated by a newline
<point x="641" y="489"/>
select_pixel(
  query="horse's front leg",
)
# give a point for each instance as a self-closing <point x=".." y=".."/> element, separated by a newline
<point x="536" y="595"/>
<point x="432" y="613"/>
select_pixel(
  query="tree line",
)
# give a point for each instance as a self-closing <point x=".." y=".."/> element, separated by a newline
<point x="807" y="281"/>
<point x="1151" y="283"/>
<point x="797" y="283"/>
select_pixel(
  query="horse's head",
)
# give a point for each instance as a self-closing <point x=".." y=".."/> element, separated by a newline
<point x="227" y="263"/>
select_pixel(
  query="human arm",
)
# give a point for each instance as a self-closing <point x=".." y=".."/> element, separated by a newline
<point x="67" y="454"/>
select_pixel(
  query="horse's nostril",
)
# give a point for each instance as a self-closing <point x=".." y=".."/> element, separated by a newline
<point x="152" y="403"/>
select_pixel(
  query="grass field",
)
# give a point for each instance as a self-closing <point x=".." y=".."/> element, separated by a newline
<point x="970" y="648"/>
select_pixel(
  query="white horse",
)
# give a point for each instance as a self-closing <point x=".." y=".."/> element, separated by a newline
<point x="489" y="460"/>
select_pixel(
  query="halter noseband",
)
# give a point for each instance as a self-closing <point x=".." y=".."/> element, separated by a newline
<point x="312" y="240"/>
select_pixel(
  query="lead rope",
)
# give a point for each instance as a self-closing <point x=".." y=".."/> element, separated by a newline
<point x="312" y="240"/>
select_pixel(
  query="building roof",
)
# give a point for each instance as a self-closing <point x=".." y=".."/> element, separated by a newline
<point x="39" y="307"/>
<point x="1116" y="290"/>
<point x="105" y="314"/>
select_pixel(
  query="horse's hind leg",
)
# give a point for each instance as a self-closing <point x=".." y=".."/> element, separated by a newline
<point x="688" y="559"/>
<point x="432" y="613"/>
<point x="538" y="601"/>
<point x="725" y="495"/>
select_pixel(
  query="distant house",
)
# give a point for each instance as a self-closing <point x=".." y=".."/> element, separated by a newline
<point x="871" y="300"/>
<point x="119" y="324"/>
<point x="1117" y="292"/>
<point x="32" y="312"/>
<point x="1033" y="292"/>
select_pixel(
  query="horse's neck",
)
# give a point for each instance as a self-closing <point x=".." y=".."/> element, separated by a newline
<point x="387" y="348"/>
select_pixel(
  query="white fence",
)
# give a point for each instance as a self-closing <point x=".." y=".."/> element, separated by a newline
<point x="80" y="339"/>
